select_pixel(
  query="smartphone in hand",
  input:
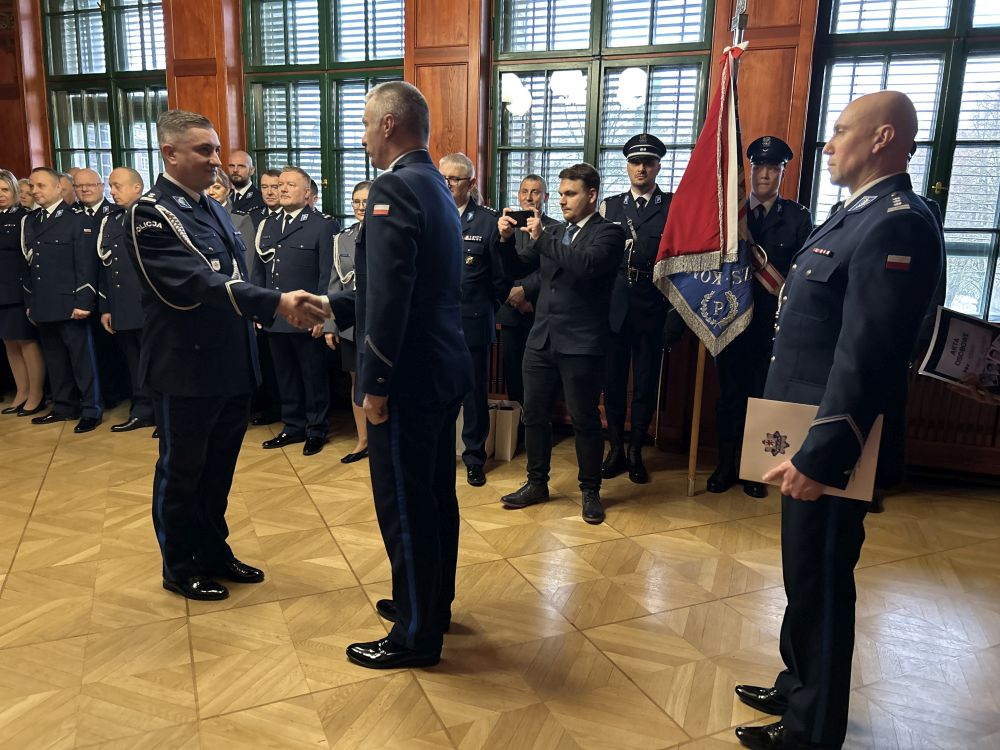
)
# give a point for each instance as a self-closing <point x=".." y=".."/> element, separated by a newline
<point x="520" y="217"/>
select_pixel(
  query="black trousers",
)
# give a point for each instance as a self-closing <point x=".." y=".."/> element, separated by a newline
<point x="820" y="545"/>
<point x="267" y="398"/>
<point x="142" y="404"/>
<point x="742" y="368"/>
<point x="200" y="440"/>
<point x="71" y="361"/>
<point x="513" y="340"/>
<point x="640" y="345"/>
<point x="300" y="367"/>
<point x="581" y="377"/>
<point x="475" y="409"/>
<point x="111" y="363"/>
<point x="412" y="458"/>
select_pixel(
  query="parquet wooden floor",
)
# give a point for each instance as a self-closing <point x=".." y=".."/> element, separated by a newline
<point x="626" y="635"/>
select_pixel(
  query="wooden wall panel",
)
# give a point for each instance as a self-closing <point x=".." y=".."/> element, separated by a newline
<point x="447" y="58"/>
<point x="24" y="132"/>
<point x="205" y="64"/>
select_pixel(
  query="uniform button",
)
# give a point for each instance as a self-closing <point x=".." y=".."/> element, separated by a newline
<point x="772" y="359"/>
<point x="809" y="272"/>
<point x="777" y="328"/>
<point x="197" y="348"/>
<point x="118" y="286"/>
<point x="794" y="266"/>
<point x="785" y="298"/>
<point x="380" y="380"/>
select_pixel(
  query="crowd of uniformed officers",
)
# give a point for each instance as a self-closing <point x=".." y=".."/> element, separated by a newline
<point x="579" y="320"/>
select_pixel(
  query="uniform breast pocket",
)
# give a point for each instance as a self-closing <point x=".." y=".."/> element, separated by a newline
<point x="814" y="290"/>
<point x="474" y="253"/>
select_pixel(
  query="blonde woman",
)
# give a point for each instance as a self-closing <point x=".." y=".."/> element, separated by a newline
<point x="24" y="193"/>
<point x="19" y="336"/>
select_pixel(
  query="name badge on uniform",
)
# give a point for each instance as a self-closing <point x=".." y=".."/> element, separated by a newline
<point x="182" y="202"/>
<point x="473" y="238"/>
<point x="216" y="264"/>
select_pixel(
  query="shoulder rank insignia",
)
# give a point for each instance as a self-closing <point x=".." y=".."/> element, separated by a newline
<point x="862" y="203"/>
<point x="182" y="202"/>
<point x="898" y="204"/>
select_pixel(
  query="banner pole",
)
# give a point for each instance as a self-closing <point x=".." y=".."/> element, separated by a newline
<point x="738" y="27"/>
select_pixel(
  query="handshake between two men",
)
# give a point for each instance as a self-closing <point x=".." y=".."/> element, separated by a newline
<point x="303" y="309"/>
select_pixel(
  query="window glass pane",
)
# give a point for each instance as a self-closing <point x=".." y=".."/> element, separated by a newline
<point x="285" y="32"/>
<point x="974" y="188"/>
<point x="138" y="114"/>
<point x="80" y="120"/>
<point x="979" y="113"/>
<point x="514" y="165"/>
<point x="987" y="14"/>
<point x="544" y="108"/>
<point x="854" y="16"/>
<point x="287" y="127"/>
<point x="76" y="43"/>
<point x="139" y="35"/>
<point x="542" y="25"/>
<point x="351" y="162"/>
<point x="968" y="258"/>
<point x="641" y="22"/>
<point x="369" y="29"/>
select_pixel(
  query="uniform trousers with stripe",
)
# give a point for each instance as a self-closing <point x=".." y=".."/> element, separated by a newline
<point x="300" y="366"/>
<point x="820" y="545"/>
<point x="412" y="457"/>
<point x="200" y="440"/>
<point x="71" y="361"/>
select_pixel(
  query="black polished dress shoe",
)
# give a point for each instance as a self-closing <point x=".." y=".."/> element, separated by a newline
<point x="350" y="458"/>
<point x="770" y="737"/>
<point x="593" y="511"/>
<point x="262" y="419"/>
<point x="22" y="412"/>
<point x="755" y="489"/>
<point x="614" y="464"/>
<point x="156" y="433"/>
<point x="198" y="587"/>
<point x="13" y="409"/>
<point x="236" y="571"/>
<point x="385" y="654"/>
<point x="87" y="424"/>
<point x="313" y="445"/>
<point x="133" y="423"/>
<point x="764" y="699"/>
<point x="475" y="475"/>
<point x="51" y="418"/>
<point x="386" y="609"/>
<point x="281" y="440"/>
<point x="529" y="494"/>
<point x="636" y="468"/>
<point x="721" y="479"/>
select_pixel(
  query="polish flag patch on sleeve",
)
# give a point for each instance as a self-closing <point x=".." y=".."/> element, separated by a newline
<point x="382" y="209"/>
<point x="897" y="263"/>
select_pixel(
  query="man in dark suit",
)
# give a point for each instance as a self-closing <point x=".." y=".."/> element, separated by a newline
<point x="295" y="251"/>
<point x="270" y="193"/>
<point x="121" y="293"/>
<point x="245" y="196"/>
<point x="577" y="262"/>
<point x="638" y="308"/>
<point x="484" y="288"/>
<point x="517" y="314"/>
<point x="198" y="354"/>
<point x="850" y="313"/>
<point x="61" y="287"/>
<point x="413" y="371"/>
<point x="779" y="226"/>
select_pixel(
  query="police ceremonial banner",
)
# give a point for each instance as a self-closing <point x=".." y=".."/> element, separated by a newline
<point x="703" y="264"/>
<point x="964" y="350"/>
<point x="776" y="429"/>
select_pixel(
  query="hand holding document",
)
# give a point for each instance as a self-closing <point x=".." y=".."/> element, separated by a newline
<point x="965" y="351"/>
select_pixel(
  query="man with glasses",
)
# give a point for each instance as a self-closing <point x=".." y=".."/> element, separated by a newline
<point x="484" y="289"/>
<point x="245" y="196"/>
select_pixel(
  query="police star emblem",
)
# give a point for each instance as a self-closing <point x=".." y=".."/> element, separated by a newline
<point x="775" y="443"/>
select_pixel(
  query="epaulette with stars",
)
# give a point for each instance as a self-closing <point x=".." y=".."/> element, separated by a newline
<point x="898" y="202"/>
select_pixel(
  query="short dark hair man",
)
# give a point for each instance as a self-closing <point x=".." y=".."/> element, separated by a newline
<point x="577" y="263"/>
<point x="199" y="353"/>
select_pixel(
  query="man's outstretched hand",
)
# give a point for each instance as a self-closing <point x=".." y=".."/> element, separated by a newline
<point x="302" y="309"/>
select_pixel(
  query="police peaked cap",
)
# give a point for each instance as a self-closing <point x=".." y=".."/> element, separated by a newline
<point x="642" y="145"/>
<point x="769" y="150"/>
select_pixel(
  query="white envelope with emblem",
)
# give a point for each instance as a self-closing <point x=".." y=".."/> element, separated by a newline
<point x="775" y="430"/>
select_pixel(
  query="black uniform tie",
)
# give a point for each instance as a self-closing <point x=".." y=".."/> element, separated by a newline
<point x="288" y="222"/>
<point x="640" y="203"/>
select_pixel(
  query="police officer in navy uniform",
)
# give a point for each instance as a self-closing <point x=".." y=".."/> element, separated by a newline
<point x="413" y="371"/>
<point x="517" y="314"/>
<point x="484" y="289"/>
<point x="270" y="193"/>
<point x="850" y="312"/>
<point x="245" y="196"/>
<point x="121" y="293"/>
<point x="61" y="294"/>
<point x="198" y="353"/>
<point x="779" y="226"/>
<point x="638" y="309"/>
<point x="295" y="251"/>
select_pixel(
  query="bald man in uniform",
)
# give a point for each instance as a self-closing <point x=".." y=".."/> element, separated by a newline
<point x="245" y="196"/>
<point x="851" y="310"/>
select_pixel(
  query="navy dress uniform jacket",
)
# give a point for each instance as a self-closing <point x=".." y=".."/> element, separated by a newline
<point x="342" y="278"/>
<point x="120" y="291"/>
<point x="298" y="258"/>
<point x="484" y="287"/>
<point x="850" y="313"/>
<point x="409" y="331"/>
<point x="781" y="233"/>
<point x="249" y="201"/>
<point x="575" y="284"/>
<point x="62" y="265"/>
<point x="12" y="265"/>
<point x="199" y="309"/>
<point x="642" y="296"/>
